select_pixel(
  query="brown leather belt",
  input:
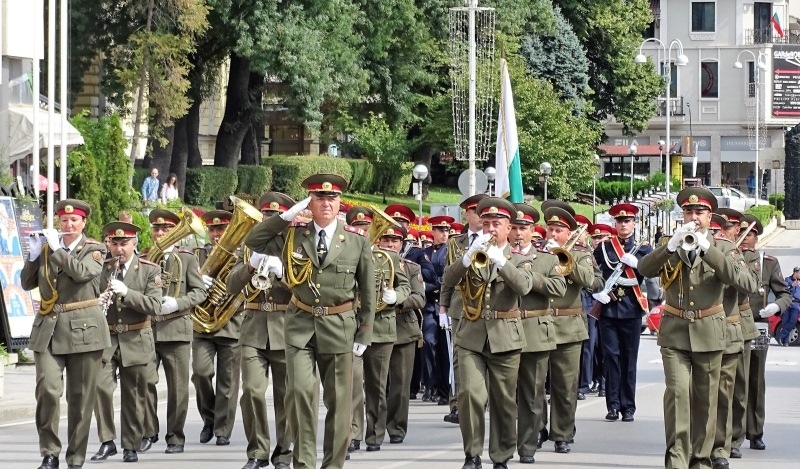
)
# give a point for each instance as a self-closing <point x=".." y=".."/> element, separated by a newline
<point x="733" y="319"/>
<point x="695" y="314"/>
<point x="266" y="306"/>
<point x="744" y="306"/>
<point x="491" y="314"/>
<point x="120" y="328"/>
<point x="535" y="313"/>
<point x="567" y="311"/>
<point x="323" y="310"/>
<point x="67" y="307"/>
<point x="165" y="317"/>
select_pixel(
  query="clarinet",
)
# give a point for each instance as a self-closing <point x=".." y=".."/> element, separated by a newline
<point x="117" y="264"/>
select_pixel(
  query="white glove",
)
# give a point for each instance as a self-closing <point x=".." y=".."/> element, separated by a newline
<point x="105" y="297"/>
<point x="770" y="310"/>
<point x="359" y="349"/>
<point x="207" y="281"/>
<point x="255" y="259"/>
<point x="444" y="321"/>
<point x="702" y="242"/>
<point x="478" y="245"/>
<point x="602" y="297"/>
<point x="52" y="238"/>
<point x="627" y="282"/>
<point x="497" y="256"/>
<point x="677" y="237"/>
<point x="551" y="243"/>
<point x="275" y="266"/>
<point x="389" y="296"/>
<point x="35" y="244"/>
<point x="629" y="260"/>
<point x="118" y="287"/>
<point x="168" y="305"/>
<point x="296" y="209"/>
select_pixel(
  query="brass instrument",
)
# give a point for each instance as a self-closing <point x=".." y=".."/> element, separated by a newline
<point x="261" y="280"/>
<point x="382" y="263"/>
<point x="219" y="307"/>
<point x="381" y="222"/>
<point x="480" y="258"/>
<point x="189" y="223"/>
<point x="689" y="240"/>
<point x="565" y="259"/>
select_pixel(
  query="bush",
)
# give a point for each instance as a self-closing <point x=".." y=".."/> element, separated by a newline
<point x="777" y="200"/>
<point x="363" y="179"/>
<point x="607" y="191"/>
<point x="253" y="180"/>
<point x="289" y="171"/>
<point x="207" y="184"/>
<point x="139" y="175"/>
<point x="146" y="235"/>
<point x="401" y="184"/>
<point x="763" y="212"/>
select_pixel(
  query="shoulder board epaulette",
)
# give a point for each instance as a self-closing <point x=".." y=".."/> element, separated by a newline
<point x="645" y="243"/>
<point x="772" y="258"/>
<point x="92" y="241"/>
<point x="146" y="262"/>
<point x="355" y="230"/>
<point x="747" y="249"/>
<point x="580" y="248"/>
<point x="723" y="239"/>
<point x="185" y="251"/>
<point x="110" y="259"/>
<point x="406" y="261"/>
<point x="298" y="224"/>
<point x="581" y="244"/>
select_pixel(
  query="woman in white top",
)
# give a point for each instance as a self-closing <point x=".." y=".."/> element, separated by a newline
<point x="169" y="191"/>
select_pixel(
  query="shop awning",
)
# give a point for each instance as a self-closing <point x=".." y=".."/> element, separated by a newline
<point x="20" y="132"/>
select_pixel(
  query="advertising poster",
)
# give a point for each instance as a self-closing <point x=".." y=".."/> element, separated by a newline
<point x="786" y="81"/>
<point x="17" y="220"/>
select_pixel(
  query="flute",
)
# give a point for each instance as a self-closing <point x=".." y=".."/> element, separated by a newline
<point x="61" y="233"/>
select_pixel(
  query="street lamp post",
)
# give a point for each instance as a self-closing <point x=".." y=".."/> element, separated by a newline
<point x="420" y="172"/>
<point x="490" y="173"/>
<point x="680" y="61"/>
<point x="760" y="66"/>
<point x="594" y="187"/>
<point x="632" y="150"/>
<point x="545" y="169"/>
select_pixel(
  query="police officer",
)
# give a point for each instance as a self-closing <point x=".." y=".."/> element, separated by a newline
<point x="182" y="290"/>
<point x="216" y="404"/>
<point x="325" y="262"/>
<point x="263" y="344"/>
<point x="488" y="336"/>
<point x="66" y="269"/>
<point x="621" y="316"/>
<point x="537" y="324"/>
<point x="692" y="336"/>
<point x="132" y="289"/>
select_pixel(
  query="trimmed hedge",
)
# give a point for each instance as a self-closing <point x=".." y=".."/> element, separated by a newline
<point x="762" y="212"/>
<point x="139" y="175"/>
<point x="207" y="184"/>
<point x="146" y="234"/>
<point x="607" y="191"/>
<point x="777" y="200"/>
<point x="289" y="171"/>
<point x="253" y="180"/>
<point x="363" y="176"/>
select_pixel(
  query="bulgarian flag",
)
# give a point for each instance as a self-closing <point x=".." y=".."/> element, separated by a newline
<point x="776" y="23"/>
<point x="509" y="173"/>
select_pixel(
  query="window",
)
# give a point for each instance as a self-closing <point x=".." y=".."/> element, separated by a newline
<point x="673" y="79"/>
<point x="709" y="79"/>
<point x="751" y="79"/>
<point x="703" y="17"/>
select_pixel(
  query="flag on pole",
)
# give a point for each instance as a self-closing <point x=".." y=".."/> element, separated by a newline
<point x="776" y="23"/>
<point x="509" y="173"/>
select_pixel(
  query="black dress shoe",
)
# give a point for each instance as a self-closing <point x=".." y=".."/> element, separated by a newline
<point x="627" y="416"/>
<point x="472" y="463"/>
<point x="612" y="415"/>
<point x="174" y="449"/>
<point x="412" y="397"/>
<point x="601" y="393"/>
<point x="526" y="460"/>
<point x="757" y="443"/>
<point x="280" y="465"/>
<point x="206" y="434"/>
<point x="256" y="463"/>
<point x="129" y="455"/>
<point x="146" y="444"/>
<point x="373" y="448"/>
<point x="355" y="445"/>
<point x="347" y="456"/>
<point x="395" y="439"/>
<point x="426" y="396"/>
<point x="543" y="436"/>
<point x="108" y="448"/>
<point x="442" y="401"/>
<point x="736" y="453"/>
<point x="500" y="465"/>
<point x="49" y="462"/>
<point x="223" y="441"/>
<point x="452" y="417"/>
<point x="562" y="447"/>
<point x="720" y="463"/>
<point x="581" y="396"/>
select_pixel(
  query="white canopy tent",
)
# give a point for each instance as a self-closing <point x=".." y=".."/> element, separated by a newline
<point x="20" y="132"/>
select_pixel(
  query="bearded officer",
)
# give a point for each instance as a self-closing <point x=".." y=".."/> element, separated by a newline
<point x="692" y="333"/>
<point x="325" y="262"/>
<point x="67" y="273"/>
<point x="263" y="344"/>
<point x="132" y="350"/>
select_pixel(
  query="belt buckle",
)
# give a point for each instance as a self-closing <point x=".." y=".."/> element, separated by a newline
<point x="58" y="308"/>
<point x="487" y="314"/>
<point x="159" y="318"/>
<point x="318" y="311"/>
<point x="266" y="306"/>
<point x="120" y="328"/>
<point x="690" y="315"/>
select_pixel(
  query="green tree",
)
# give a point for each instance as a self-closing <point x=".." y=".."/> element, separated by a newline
<point x="386" y="147"/>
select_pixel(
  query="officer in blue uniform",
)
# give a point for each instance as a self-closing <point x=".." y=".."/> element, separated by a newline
<point x="405" y="216"/>
<point x="622" y="311"/>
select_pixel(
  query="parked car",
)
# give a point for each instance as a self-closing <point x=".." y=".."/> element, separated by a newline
<point x="734" y="198"/>
<point x="775" y="323"/>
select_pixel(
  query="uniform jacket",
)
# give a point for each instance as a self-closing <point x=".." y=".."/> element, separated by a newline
<point x="505" y="286"/>
<point x="586" y="275"/>
<point x="419" y="256"/>
<point x="232" y="328"/>
<point x="143" y="300"/>
<point x="771" y="280"/>
<point x="348" y="263"/>
<point x="438" y="257"/>
<point x="384" y="329"/>
<point x="626" y="306"/>
<point x="732" y="297"/>
<point x="540" y="334"/>
<point x="698" y="285"/>
<point x="450" y="296"/>
<point x="408" y="326"/>
<point x="75" y="275"/>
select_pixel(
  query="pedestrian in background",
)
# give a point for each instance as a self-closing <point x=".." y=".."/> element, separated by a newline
<point x="789" y="317"/>
<point x="150" y="187"/>
<point x="169" y="191"/>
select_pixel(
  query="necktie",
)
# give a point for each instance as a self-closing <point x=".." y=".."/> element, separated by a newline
<point x="121" y="273"/>
<point x="322" y="248"/>
<point x="692" y="256"/>
<point x="472" y="238"/>
<point x="66" y="250"/>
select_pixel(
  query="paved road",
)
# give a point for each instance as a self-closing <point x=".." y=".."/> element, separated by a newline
<point x="599" y="444"/>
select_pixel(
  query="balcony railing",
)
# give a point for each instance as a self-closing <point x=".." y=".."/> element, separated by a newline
<point x="675" y="106"/>
<point x="767" y="36"/>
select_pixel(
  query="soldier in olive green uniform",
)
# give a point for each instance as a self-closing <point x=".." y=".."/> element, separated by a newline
<point x="692" y="334"/>
<point x="450" y="301"/>
<point x="69" y="332"/>
<point x="183" y="289"/>
<point x="217" y="407"/>
<point x="264" y="345"/>
<point x="538" y="325"/>
<point x="324" y="262"/>
<point x="490" y="337"/>
<point x="132" y="344"/>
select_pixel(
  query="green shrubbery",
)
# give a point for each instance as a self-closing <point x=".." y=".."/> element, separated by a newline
<point x="763" y="212"/>
<point x="208" y="184"/>
<point x="253" y="180"/>
<point x="289" y="171"/>
<point x="777" y="200"/>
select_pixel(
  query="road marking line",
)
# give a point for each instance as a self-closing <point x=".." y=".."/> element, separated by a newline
<point x="424" y="456"/>
<point x="781" y="363"/>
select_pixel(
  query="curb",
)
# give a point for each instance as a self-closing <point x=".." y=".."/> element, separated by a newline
<point x="762" y="242"/>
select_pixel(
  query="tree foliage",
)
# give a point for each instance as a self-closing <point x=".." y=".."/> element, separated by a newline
<point x="385" y="146"/>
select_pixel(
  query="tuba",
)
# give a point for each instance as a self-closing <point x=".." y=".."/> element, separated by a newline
<point x="219" y="307"/>
<point x="380" y="223"/>
<point x="189" y="224"/>
<point x="565" y="259"/>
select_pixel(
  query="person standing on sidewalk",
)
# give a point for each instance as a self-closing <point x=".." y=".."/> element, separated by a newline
<point x="66" y="267"/>
<point x="789" y="317"/>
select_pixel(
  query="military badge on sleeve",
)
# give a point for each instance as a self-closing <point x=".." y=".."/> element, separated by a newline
<point x="157" y="281"/>
<point x="97" y="256"/>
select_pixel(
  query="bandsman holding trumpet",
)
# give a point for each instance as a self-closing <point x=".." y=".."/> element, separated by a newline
<point x="66" y="269"/>
<point x="263" y="342"/>
<point x="182" y="289"/>
<point x="132" y="295"/>
<point x="489" y="337"/>
<point x="694" y="271"/>
<point x="216" y="398"/>
<point x="537" y="324"/>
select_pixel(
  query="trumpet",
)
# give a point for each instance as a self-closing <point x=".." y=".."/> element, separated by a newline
<point x="565" y="259"/>
<point x="261" y="280"/>
<point x="480" y="258"/>
<point x="689" y="240"/>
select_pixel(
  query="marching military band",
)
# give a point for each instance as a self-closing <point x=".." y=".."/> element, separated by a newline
<point x="480" y="316"/>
